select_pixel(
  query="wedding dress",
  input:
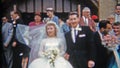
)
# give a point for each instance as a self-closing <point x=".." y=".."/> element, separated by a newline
<point x="43" y="61"/>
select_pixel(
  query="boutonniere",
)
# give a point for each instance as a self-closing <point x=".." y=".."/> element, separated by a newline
<point x="79" y="29"/>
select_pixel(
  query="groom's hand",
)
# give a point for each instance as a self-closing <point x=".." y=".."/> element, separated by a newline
<point x="66" y="56"/>
<point x="91" y="64"/>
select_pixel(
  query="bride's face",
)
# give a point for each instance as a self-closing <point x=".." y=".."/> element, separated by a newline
<point x="51" y="31"/>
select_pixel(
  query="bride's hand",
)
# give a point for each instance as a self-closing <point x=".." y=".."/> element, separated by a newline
<point x="14" y="44"/>
<point x="66" y="56"/>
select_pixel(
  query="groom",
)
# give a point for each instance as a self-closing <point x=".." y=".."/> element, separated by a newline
<point x="80" y="48"/>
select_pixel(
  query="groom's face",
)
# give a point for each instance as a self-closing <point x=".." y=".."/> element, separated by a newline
<point x="74" y="20"/>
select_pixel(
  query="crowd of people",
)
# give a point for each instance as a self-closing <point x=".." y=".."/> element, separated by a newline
<point x="50" y="42"/>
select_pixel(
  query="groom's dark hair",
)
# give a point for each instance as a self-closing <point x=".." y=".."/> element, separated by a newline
<point x="73" y="13"/>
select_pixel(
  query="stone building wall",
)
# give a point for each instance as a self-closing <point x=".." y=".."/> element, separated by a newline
<point x="106" y="7"/>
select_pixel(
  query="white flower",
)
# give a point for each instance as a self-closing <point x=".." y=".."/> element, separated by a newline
<point x="79" y="29"/>
<point x="110" y="41"/>
<point x="51" y="54"/>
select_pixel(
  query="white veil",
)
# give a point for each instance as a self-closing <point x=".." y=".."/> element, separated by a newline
<point x="59" y="35"/>
<point x="22" y="34"/>
<point x="36" y="34"/>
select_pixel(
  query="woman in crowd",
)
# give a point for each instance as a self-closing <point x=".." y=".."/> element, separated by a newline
<point x="37" y="20"/>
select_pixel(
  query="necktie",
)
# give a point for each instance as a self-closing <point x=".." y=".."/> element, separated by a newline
<point x="75" y="33"/>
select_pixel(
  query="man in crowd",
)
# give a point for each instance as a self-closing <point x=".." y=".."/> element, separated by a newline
<point x="7" y="45"/>
<point x="102" y="52"/>
<point x="4" y="20"/>
<point x="19" y="46"/>
<point x="86" y="19"/>
<point x="117" y="13"/>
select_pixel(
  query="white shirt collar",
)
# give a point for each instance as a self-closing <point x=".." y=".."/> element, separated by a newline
<point x="75" y="27"/>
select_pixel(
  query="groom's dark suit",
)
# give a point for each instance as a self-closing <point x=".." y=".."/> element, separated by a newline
<point x="83" y="49"/>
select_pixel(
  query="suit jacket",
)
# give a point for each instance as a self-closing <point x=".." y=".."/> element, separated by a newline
<point x="7" y="33"/>
<point x="91" y="23"/>
<point x="6" y="38"/>
<point x="102" y="52"/>
<point x="83" y="49"/>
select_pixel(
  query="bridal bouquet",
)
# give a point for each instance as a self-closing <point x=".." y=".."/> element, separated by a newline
<point x="51" y="54"/>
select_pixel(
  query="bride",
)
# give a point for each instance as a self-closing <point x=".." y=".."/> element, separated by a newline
<point x="52" y="49"/>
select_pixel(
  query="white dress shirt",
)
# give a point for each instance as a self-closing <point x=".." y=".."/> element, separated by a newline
<point x="74" y="33"/>
<point x="85" y="20"/>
